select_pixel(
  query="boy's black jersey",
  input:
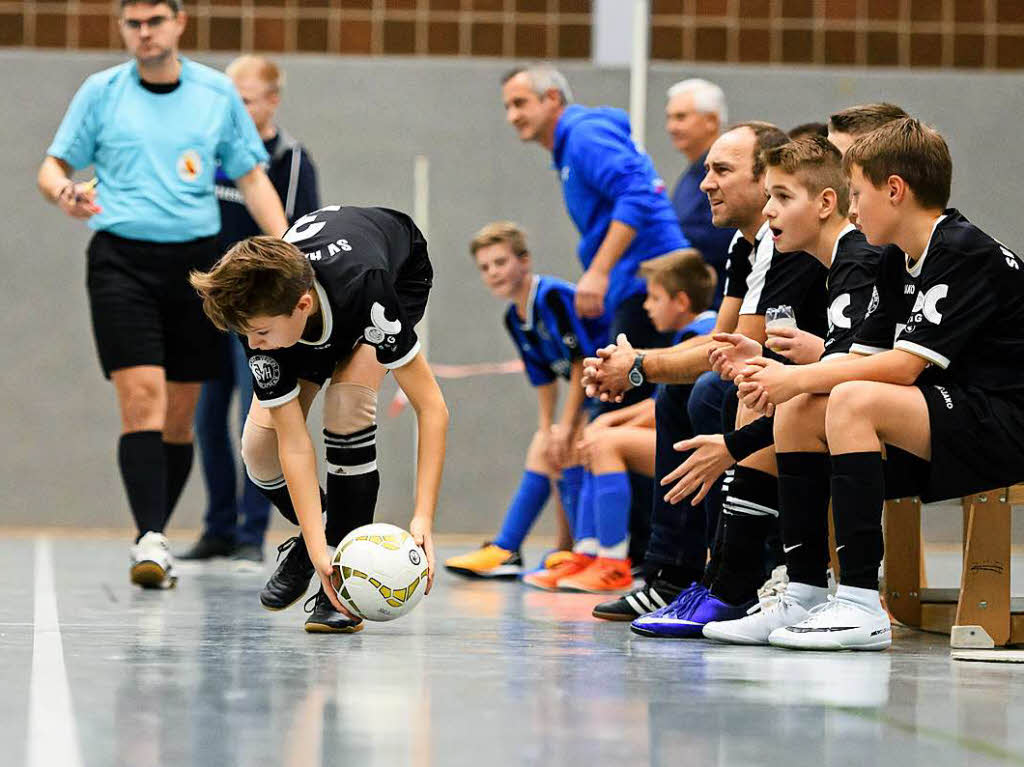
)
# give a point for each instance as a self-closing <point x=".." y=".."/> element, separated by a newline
<point x="959" y="307"/>
<point x="359" y="257"/>
<point x="851" y="281"/>
<point x="788" y="279"/>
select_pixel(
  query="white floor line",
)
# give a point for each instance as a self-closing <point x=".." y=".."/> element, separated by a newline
<point x="52" y="733"/>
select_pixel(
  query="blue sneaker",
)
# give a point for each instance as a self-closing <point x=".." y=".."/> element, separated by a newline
<point x="685" y="617"/>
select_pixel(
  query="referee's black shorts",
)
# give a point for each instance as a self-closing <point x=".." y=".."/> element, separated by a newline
<point x="145" y="312"/>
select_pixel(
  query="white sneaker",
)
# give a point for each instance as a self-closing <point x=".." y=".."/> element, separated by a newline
<point x="775" y="610"/>
<point x="152" y="562"/>
<point x="774" y="586"/>
<point x="841" y="623"/>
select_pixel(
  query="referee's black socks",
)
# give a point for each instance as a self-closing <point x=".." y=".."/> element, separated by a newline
<point x="178" y="459"/>
<point x="858" y="494"/>
<point x="143" y="464"/>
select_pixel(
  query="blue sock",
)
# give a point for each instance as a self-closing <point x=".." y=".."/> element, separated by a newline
<point x="569" y="491"/>
<point x="530" y="498"/>
<point x="612" y="499"/>
<point x="585" y="531"/>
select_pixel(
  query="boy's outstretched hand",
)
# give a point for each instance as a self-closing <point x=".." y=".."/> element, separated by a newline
<point x="420" y="530"/>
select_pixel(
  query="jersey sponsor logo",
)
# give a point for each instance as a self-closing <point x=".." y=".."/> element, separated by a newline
<point x="569" y="339"/>
<point x="873" y="303"/>
<point x="837" y="313"/>
<point x="265" y="370"/>
<point x="382" y="328"/>
<point x="926" y="305"/>
<point x="909" y="290"/>
<point x="561" y="367"/>
<point x="190" y="165"/>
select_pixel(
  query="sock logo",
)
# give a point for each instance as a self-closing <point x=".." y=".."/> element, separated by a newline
<point x="787" y="549"/>
<point x="265" y="370"/>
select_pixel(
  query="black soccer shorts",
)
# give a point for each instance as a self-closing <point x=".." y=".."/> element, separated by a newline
<point x="145" y="312"/>
<point x="977" y="445"/>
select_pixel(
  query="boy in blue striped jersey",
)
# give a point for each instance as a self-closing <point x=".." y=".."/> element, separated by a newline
<point x="552" y="342"/>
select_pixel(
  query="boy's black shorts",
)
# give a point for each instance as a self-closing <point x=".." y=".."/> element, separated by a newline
<point x="977" y="445"/>
<point x="145" y="312"/>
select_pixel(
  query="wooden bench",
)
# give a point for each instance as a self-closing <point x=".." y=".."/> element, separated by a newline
<point x="981" y="613"/>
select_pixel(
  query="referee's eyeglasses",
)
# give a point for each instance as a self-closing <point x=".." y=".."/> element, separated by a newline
<point x="153" y="22"/>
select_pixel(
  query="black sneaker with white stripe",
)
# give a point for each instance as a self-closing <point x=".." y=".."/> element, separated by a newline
<point x="650" y="597"/>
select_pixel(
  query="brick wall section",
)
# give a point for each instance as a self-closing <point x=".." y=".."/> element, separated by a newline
<point x="986" y="34"/>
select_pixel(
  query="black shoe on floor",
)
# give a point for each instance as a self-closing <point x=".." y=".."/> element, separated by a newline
<point x="248" y="553"/>
<point x="324" y="619"/>
<point x="291" y="578"/>
<point x="208" y="547"/>
<point x="647" y="599"/>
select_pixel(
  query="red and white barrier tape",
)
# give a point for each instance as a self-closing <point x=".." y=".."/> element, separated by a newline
<point x="471" y="370"/>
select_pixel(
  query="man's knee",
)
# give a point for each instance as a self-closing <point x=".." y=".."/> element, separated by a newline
<point x="143" y="404"/>
<point x="259" y="454"/>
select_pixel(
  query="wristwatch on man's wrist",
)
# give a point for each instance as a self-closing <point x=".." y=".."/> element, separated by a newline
<point x="636" y="373"/>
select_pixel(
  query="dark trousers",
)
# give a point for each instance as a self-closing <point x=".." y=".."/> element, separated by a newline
<point x="681" y="534"/>
<point x="242" y="519"/>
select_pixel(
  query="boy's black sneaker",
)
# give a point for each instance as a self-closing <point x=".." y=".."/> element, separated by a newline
<point x="208" y="547"/>
<point x="650" y="597"/>
<point x="291" y="578"/>
<point x="324" y="619"/>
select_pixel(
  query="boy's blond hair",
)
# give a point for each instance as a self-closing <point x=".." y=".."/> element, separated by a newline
<point x="684" y="271"/>
<point x="507" y="232"/>
<point x="911" y="150"/>
<point x="260" y="66"/>
<point x="257" y="277"/>
<point x="816" y="164"/>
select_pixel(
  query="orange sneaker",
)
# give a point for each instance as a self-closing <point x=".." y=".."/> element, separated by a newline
<point x="566" y="563"/>
<point x="603" y="576"/>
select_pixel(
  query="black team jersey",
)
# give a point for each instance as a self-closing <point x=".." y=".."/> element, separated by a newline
<point x="851" y="281"/>
<point x="739" y="263"/>
<point x="362" y="259"/>
<point x="959" y="307"/>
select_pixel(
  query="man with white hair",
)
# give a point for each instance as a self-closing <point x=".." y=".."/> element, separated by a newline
<point x="694" y="115"/>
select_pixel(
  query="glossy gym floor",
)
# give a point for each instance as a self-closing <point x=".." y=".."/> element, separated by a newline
<point x="95" y="672"/>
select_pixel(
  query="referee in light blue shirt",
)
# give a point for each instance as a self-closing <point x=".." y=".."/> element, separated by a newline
<point x="155" y="129"/>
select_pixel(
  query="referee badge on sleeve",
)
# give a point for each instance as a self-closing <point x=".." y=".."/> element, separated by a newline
<point x="265" y="370"/>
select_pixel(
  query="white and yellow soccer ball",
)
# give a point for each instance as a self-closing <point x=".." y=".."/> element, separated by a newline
<point x="383" y="572"/>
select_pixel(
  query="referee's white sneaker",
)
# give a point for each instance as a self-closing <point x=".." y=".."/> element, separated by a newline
<point x="789" y="605"/>
<point x="152" y="563"/>
<point x="851" y="620"/>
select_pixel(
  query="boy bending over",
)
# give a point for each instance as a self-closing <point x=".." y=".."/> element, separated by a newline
<point x="336" y="299"/>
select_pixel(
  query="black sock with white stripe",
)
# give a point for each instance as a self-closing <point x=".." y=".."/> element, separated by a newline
<point x="804" y="489"/>
<point x="750" y="513"/>
<point x="276" y="491"/>
<point x="858" y="494"/>
<point x="352" y="481"/>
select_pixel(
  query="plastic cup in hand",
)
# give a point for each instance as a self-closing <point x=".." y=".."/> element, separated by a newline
<point x="779" y="317"/>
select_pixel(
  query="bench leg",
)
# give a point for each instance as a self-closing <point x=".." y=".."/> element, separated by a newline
<point x="902" y="563"/>
<point x="983" y="612"/>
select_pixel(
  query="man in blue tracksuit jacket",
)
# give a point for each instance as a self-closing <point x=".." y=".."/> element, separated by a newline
<point x="612" y="193"/>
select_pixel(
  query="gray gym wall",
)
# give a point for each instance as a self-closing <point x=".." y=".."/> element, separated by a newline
<point x="364" y="120"/>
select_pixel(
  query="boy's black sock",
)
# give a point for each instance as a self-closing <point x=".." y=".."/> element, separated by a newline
<point x="143" y="464"/>
<point x="858" y="494"/>
<point x="352" y="481"/>
<point x="179" y="463"/>
<point x="804" y="488"/>
<point x="751" y="515"/>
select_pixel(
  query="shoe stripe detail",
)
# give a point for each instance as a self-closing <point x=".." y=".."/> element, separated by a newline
<point x="634" y="604"/>
<point x="656" y="598"/>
